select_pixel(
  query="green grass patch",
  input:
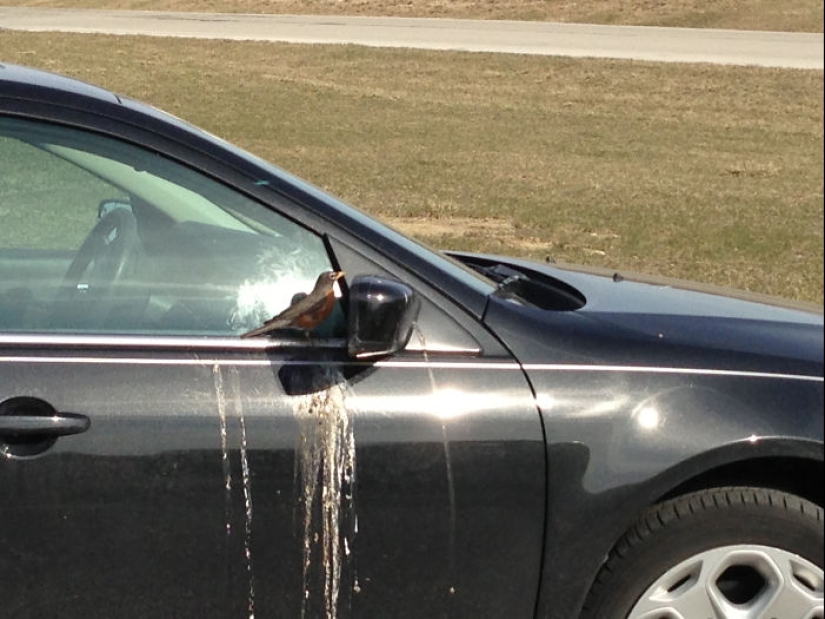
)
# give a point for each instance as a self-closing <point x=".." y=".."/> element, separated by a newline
<point x="694" y="171"/>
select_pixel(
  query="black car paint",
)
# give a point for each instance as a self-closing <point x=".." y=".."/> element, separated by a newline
<point x="724" y="389"/>
<point x="423" y="483"/>
<point x="487" y="513"/>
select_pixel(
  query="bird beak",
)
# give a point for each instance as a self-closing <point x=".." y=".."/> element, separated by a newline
<point x="338" y="275"/>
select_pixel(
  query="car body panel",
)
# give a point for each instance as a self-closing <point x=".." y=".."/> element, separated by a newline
<point x="213" y="462"/>
<point x="486" y="470"/>
<point x="646" y="324"/>
<point x="637" y="399"/>
<point x="190" y="467"/>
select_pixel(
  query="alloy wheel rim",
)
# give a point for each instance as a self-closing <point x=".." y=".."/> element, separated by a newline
<point x="736" y="582"/>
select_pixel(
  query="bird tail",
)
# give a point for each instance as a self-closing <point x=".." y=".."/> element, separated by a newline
<point x="255" y="332"/>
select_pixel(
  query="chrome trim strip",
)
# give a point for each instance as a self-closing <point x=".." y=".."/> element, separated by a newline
<point x="189" y="343"/>
<point x="640" y="369"/>
<point x="395" y="363"/>
<point x="452" y="365"/>
<point x="206" y="362"/>
<point x="171" y="342"/>
<point x="209" y="361"/>
<point x="442" y="349"/>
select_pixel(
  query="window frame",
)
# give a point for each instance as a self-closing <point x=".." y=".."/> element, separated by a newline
<point x="160" y="338"/>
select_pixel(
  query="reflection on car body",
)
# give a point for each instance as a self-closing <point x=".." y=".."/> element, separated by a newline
<point x="463" y="435"/>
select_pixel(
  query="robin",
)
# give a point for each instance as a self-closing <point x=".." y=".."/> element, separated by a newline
<point x="307" y="311"/>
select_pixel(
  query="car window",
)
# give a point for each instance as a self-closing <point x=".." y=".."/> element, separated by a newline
<point x="100" y="236"/>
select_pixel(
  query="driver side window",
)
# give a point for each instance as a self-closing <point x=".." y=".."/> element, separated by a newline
<point x="101" y="237"/>
<point x="33" y="184"/>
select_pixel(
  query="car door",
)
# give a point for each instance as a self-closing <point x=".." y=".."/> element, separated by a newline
<point x="129" y="409"/>
<point x="184" y="471"/>
<point x="447" y="514"/>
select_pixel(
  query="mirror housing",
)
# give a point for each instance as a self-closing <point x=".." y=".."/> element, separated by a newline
<point x="382" y="315"/>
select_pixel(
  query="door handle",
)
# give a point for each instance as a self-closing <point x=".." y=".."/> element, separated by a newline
<point x="26" y="417"/>
<point x="58" y="424"/>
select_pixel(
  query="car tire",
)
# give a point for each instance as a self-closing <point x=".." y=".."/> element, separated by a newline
<point x="748" y="553"/>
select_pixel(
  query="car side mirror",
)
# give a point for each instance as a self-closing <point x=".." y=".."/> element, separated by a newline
<point x="382" y="315"/>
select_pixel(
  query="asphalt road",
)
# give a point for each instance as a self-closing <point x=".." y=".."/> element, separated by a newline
<point x="734" y="47"/>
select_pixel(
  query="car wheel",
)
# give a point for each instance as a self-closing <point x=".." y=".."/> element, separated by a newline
<point x="724" y="553"/>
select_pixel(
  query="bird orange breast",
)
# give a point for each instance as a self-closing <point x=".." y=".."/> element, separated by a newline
<point x="316" y="315"/>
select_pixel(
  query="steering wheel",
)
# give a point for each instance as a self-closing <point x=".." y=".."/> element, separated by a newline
<point x="107" y="255"/>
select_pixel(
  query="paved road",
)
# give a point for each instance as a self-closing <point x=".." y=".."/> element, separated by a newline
<point x="767" y="49"/>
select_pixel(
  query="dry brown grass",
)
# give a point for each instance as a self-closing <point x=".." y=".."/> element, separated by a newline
<point x="708" y="173"/>
<point x="784" y="15"/>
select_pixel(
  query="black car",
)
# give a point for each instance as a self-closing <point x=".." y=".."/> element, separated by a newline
<point x="445" y="436"/>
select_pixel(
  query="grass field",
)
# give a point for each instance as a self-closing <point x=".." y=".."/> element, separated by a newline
<point x="701" y="172"/>
<point x="785" y="15"/>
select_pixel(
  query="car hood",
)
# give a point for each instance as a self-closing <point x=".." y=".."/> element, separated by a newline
<point x="633" y="293"/>
<point x="631" y="310"/>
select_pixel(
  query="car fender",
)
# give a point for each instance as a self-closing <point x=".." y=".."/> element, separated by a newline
<point x="618" y="443"/>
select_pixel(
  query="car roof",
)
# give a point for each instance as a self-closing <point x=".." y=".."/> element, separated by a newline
<point x="37" y="84"/>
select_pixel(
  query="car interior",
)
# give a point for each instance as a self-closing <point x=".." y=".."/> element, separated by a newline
<point x="101" y="236"/>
